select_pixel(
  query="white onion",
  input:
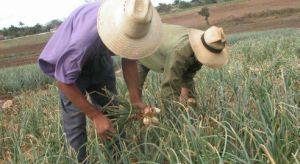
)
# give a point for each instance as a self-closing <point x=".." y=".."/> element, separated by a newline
<point x="156" y="110"/>
<point x="150" y="121"/>
<point x="154" y="120"/>
<point x="147" y="120"/>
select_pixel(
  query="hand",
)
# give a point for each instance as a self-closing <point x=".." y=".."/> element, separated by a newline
<point x="188" y="102"/>
<point x="191" y="102"/>
<point x="149" y="111"/>
<point x="104" y="126"/>
<point x="145" y="110"/>
<point x="139" y="105"/>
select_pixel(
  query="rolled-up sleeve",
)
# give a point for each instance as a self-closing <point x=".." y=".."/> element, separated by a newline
<point x="68" y="66"/>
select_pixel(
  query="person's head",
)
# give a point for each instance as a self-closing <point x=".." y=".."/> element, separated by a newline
<point x="209" y="46"/>
<point x="129" y="28"/>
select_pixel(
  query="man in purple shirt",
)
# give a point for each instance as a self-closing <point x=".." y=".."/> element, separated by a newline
<point x="78" y="56"/>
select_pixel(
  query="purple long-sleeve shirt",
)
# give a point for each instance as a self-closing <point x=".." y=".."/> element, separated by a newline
<point x="72" y="44"/>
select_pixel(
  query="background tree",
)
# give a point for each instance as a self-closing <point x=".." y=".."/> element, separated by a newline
<point x="176" y="2"/>
<point x="21" y="24"/>
<point x="37" y="29"/>
<point x="197" y="2"/>
<point x="183" y="4"/>
<point x="52" y="24"/>
<point x="205" y="13"/>
<point x="162" y="7"/>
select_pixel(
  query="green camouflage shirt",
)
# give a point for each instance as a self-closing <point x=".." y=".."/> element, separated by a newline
<point x="175" y="59"/>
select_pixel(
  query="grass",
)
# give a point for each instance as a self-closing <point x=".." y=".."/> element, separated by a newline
<point x="260" y="15"/>
<point x="26" y="40"/>
<point x="262" y="36"/>
<point x="17" y="79"/>
<point x="249" y="114"/>
<point x="22" y="50"/>
<point x="277" y="13"/>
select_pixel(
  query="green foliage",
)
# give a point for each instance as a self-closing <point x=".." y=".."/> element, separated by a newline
<point x="21" y="24"/>
<point x="14" y="31"/>
<point x="205" y="13"/>
<point x="183" y="4"/>
<point x="176" y="2"/>
<point x="22" y="78"/>
<point x="117" y="62"/>
<point x="278" y="13"/>
<point x="162" y="7"/>
<point x="25" y="41"/>
<point x="249" y="114"/>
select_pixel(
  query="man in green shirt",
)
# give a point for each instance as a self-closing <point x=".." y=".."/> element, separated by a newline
<point x="181" y="54"/>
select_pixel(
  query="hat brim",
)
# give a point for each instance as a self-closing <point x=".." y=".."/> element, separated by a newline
<point x="205" y="56"/>
<point x="110" y="31"/>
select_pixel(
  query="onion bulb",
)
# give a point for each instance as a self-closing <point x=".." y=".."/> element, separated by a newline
<point x="150" y="121"/>
<point x="147" y="120"/>
<point x="154" y="120"/>
<point x="156" y="110"/>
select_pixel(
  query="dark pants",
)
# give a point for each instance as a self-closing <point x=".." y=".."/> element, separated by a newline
<point x="97" y="74"/>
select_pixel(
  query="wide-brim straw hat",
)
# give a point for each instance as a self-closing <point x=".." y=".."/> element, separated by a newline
<point x="129" y="28"/>
<point x="209" y="47"/>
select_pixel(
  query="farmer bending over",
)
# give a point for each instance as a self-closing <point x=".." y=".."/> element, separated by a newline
<point x="78" y="56"/>
<point x="182" y="53"/>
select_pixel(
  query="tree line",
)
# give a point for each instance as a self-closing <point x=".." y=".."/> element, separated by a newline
<point x="23" y="30"/>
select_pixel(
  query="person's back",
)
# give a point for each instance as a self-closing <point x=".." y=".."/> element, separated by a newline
<point x="175" y="59"/>
<point x="72" y="44"/>
<point x="173" y="37"/>
<point x="78" y="56"/>
<point x="181" y="54"/>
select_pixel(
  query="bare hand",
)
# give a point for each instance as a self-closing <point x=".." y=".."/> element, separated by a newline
<point x="143" y="108"/>
<point x="188" y="102"/>
<point x="191" y="102"/>
<point x="104" y="127"/>
<point x="145" y="111"/>
<point x="151" y="110"/>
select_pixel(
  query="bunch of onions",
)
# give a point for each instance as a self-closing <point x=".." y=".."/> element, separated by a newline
<point x="151" y="119"/>
<point x="124" y="113"/>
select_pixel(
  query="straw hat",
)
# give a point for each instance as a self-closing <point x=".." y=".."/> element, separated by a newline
<point x="209" y="46"/>
<point x="129" y="28"/>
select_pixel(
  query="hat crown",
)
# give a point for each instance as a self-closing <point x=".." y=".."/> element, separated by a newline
<point x="215" y="37"/>
<point x="138" y="16"/>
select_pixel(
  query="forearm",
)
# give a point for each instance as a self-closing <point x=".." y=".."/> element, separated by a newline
<point x="130" y="74"/>
<point x="78" y="99"/>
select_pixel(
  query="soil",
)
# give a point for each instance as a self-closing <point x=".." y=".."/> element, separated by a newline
<point x="221" y="14"/>
<point x="31" y="54"/>
<point x="226" y="16"/>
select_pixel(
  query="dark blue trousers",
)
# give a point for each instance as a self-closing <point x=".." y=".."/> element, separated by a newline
<point x="97" y="74"/>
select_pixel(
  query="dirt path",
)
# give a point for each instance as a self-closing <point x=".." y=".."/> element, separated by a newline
<point x="223" y="13"/>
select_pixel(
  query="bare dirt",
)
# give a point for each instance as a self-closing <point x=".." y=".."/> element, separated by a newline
<point x="220" y="14"/>
<point x="232" y="17"/>
<point x="20" y="55"/>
